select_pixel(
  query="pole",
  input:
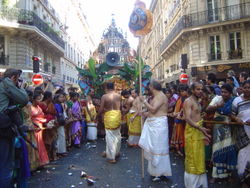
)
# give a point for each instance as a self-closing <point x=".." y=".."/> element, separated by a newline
<point x="140" y="88"/>
<point x="222" y="122"/>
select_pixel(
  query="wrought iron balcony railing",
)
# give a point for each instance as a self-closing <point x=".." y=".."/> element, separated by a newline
<point x="30" y="18"/>
<point x="235" y="54"/>
<point x="4" y="60"/>
<point x="223" y="14"/>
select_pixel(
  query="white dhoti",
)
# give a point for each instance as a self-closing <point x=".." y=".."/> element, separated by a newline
<point x="133" y="140"/>
<point x="61" y="141"/>
<point x="154" y="141"/>
<point x="195" y="181"/>
<point x="113" y="143"/>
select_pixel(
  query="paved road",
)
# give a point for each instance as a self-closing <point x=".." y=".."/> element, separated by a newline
<point x="125" y="174"/>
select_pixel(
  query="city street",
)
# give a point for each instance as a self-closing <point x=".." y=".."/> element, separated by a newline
<point x="65" y="172"/>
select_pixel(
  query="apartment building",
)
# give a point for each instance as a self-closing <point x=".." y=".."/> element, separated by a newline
<point x="214" y="35"/>
<point x="28" y="28"/>
<point x="59" y="35"/>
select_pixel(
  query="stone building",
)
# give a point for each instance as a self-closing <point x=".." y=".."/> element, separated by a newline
<point x="79" y="43"/>
<point x="30" y="28"/>
<point x="113" y="40"/>
<point x="214" y="35"/>
<point x="44" y="28"/>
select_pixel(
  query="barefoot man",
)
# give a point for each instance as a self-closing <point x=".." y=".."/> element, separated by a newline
<point x="195" y="137"/>
<point x="110" y="106"/>
<point x="134" y="120"/>
<point x="154" y="138"/>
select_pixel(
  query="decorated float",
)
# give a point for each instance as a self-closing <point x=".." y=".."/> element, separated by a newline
<point x="123" y="75"/>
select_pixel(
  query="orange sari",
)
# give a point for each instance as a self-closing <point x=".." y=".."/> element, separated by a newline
<point x="177" y="139"/>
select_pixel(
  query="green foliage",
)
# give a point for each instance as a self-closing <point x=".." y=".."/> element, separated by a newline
<point x="92" y="68"/>
<point x="96" y="76"/>
<point x="131" y="72"/>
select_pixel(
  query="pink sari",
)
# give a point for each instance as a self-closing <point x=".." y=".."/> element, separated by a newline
<point x="37" y="117"/>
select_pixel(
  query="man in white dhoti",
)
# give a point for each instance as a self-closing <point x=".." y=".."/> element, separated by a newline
<point x="110" y="105"/>
<point x="154" y="138"/>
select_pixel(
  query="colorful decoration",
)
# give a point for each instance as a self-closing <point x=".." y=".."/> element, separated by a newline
<point x="84" y="86"/>
<point x="130" y="73"/>
<point x="145" y="85"/>
<point x="93" y="77"/>
<point x="141" y="20"/>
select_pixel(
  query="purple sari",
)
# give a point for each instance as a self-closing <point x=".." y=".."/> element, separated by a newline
<point x="76" y="129"/>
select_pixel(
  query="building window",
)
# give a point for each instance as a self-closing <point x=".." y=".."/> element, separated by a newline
<point x="234" y="39"/>
<point x="235" y="50"/>
<point x="212" y="6"/>
<point x="215" y="51"/>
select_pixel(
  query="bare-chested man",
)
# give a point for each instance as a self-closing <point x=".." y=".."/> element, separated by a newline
<point x="125" y="107"/>
<point x="110" y="106"/>
<point x="195" y="136"/>
<point x="154" y="138"/>
<point x="134" y="120"/>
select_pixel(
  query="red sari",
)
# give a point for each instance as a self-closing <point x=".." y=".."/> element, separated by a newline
<point x="49" y="135"/>
<point x="37" y="117"/>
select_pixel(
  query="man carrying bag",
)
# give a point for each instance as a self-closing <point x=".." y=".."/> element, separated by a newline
<point x="10" y="94"/>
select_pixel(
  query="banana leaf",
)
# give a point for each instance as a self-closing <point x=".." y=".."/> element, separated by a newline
<point x="84" y="72"/>
<point x="92" y="70"/>
<point x="102" y="68"/>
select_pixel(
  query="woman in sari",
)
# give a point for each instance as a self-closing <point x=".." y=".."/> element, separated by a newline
<point x="38" y="119"/>
<point x="224" y="155"/>
<point x="241" y="114"/>
<point x="61" y="121"/>
<point x="171" y="105"/>
<point x="76" y="130"/>
<point x="177" y="140"/>
<point x="50" y="133"/>
<point x="32" y="152"/>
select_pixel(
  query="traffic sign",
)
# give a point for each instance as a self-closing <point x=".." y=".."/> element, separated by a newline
<point x="183" y="78"/>
<point x="37" y="79"/>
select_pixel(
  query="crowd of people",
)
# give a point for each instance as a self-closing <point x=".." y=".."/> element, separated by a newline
<point x="206" y="123"/>
<point x="43" y="126"/>
<point x="209" y="126"/>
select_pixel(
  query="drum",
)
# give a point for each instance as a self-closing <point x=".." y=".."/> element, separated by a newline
<point x="92" y="131"/>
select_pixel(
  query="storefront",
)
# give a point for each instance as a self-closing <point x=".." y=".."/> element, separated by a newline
<point x="219" y="70"/>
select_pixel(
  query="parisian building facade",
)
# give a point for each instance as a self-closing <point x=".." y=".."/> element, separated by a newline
<point x="40" y="28"/>
<point x="113" y="40"/>
<point x="206" y="35"/>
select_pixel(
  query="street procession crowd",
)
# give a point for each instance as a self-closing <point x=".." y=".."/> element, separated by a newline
<point x="206" y="122"/>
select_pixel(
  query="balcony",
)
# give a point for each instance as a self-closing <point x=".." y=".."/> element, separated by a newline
<point x="235" y="54"/>
<point x="214" y="57"/>
<point x="30" y="18"/>
<point x="218" y="15"/>
<point x="4" y="60"/>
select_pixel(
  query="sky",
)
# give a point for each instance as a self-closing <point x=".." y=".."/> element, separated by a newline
<point x="99" y="15"/>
